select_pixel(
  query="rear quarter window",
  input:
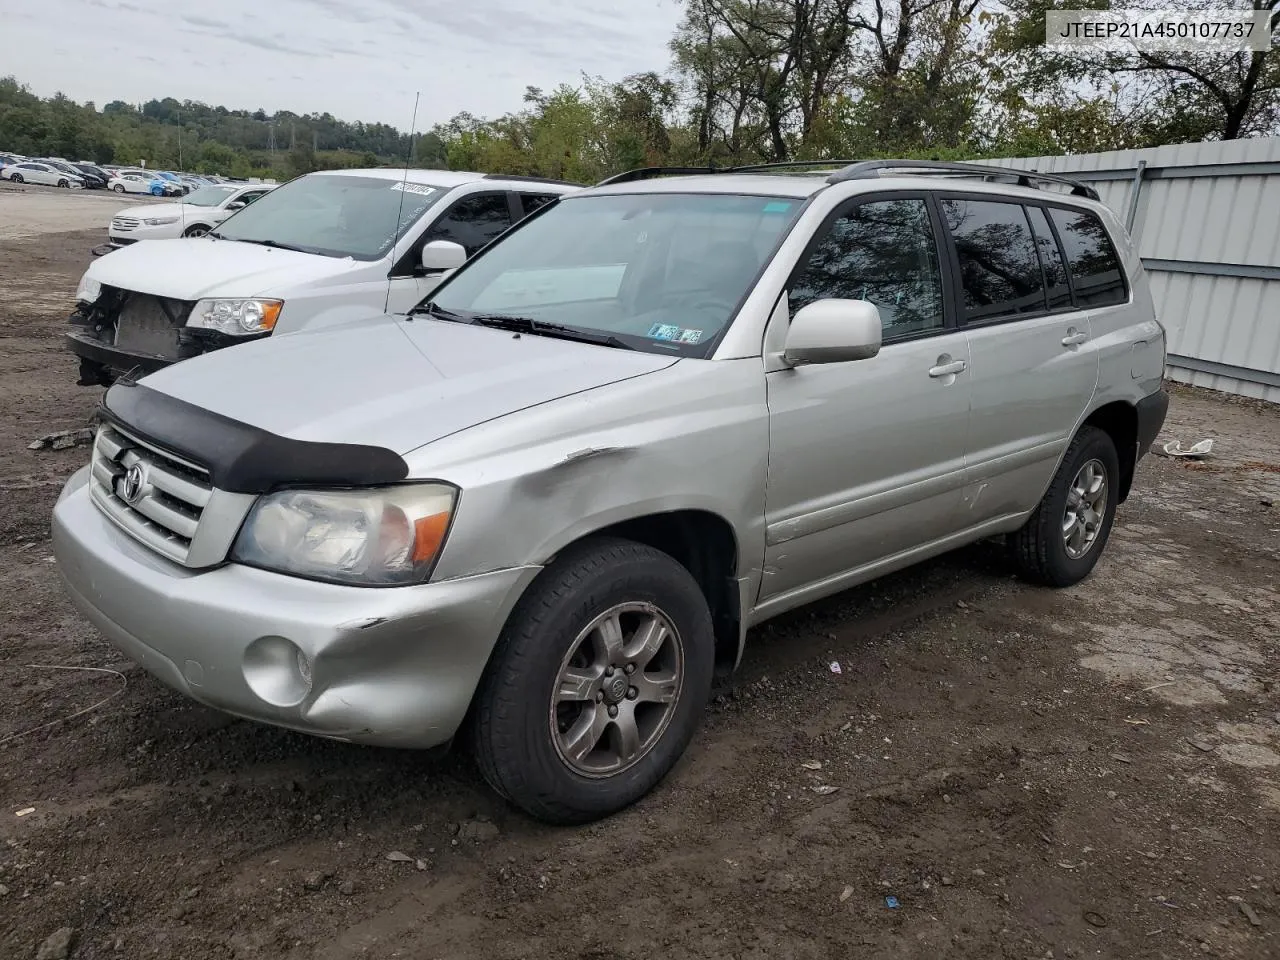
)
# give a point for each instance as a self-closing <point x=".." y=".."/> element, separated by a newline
<point x="1095" y="267"/>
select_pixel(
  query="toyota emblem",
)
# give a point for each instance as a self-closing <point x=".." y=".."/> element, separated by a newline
<point x="134" y="479"/>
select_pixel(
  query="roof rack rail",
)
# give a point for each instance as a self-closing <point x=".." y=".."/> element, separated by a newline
<point x="520" y="178"/>
<point x="649" y="173"/>
<point x="1026" y="178"/>
<point x="783" y="164"/>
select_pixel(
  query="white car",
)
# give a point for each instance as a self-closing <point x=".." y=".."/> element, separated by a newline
<point x="136" y="183"/>
<point x="197" y="214"/>
<point x="31" y="172"/>
<point x="326" y="248"/>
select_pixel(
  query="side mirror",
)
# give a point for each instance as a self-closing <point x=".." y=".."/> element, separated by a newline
<point x="236" y="205"/>
<point x="833" y="331"/>
<point x="440" y="255"/>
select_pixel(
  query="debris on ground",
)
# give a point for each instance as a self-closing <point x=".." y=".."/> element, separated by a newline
<point x="315" y="880"/>
<point x="347" y="888"/>
<point x="25" y="811"/>
<point x="1249" y="914"/>
<point x="1173" y="448"/>
<point x="825" y="789"/>
<point x="812" y="764"/>
<point x="891" y="903"/>
<point x="395" y="856"/>
<point x="63" y="439"/>
<point x="845" y="894"/>
<point x="835" y="667"/>
<point x="478" y="830"/>
<point x="58" y="946"/>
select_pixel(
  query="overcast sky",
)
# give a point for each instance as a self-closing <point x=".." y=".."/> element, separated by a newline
<point x="357" y="59"/>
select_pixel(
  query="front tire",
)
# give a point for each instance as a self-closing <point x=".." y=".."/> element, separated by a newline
<point x="597" y="684"/>
<point x="196" y="230"/>
<point x="16" y="178"/>
<point x="118" y="188"/>
<point x="1063" y="539"/>
<point x="64" y="184"/>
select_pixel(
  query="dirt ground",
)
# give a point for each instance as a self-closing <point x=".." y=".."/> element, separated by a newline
<point x="1028" y="774"/>
<point x="28" y="210"/>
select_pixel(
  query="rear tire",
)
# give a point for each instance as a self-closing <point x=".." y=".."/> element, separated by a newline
<point x="1063" y="539"/>
<point x="597" y="684"/>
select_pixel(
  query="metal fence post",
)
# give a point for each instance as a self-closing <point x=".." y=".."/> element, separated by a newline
<point x="1135" y="191"/>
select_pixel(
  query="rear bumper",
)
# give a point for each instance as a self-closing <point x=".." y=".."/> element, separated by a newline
<point x="1152" y="410"/>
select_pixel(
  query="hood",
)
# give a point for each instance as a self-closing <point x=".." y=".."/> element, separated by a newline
<point x="192" y="268"/>
<point x="143" y="210"/>
<point x="393" y="382"/>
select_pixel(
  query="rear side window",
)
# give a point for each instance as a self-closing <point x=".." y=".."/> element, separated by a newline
<point x="473" y="221"/>
<point x="533" y="201"/>
<point x="1095" y="268"/>
<point x="999" y="269"/>
<point x="1055" y="274"/>
<point x="883" y="251"/>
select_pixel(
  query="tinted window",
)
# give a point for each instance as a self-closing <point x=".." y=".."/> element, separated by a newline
<point x="1055" y="274"/>
<point x="885" y="252"/>
<point x="474" y="221"/>
<point x="1095" y="268"/>
<point x="999" y="270"/>
<point x="532" y="201"/>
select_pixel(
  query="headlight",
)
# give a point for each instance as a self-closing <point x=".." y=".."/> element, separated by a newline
<point x="159" y="221"/>
<point x="89" y="290"/>
<point x="384" y="536"/>
<point x="236" y="317"/>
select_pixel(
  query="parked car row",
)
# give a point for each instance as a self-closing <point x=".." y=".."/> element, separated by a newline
<point x="58" y="172"/>
<point x="532" y="458"/>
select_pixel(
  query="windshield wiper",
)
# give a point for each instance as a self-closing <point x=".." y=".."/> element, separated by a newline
<point x="440" y="313"/>
<point x="541" y="329"/>
<point x="270" y="243"/>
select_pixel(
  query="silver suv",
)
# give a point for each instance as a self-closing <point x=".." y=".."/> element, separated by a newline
<point x="544" y="508"/>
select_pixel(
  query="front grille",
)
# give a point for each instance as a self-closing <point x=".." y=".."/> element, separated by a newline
<point x="152" y="495"/>
<point x="149" y="325"/>
<point x="125" y="223"/>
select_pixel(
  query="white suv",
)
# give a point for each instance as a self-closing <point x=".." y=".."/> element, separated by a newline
<point x="324" y="248"/>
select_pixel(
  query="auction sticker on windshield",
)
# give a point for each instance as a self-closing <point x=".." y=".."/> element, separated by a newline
<point x="672" y="333"/>
<point x="420" y="188"/>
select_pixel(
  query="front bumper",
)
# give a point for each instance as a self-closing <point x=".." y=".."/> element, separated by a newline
<point x="88" y="347"/>
<point x="389" y="666"/>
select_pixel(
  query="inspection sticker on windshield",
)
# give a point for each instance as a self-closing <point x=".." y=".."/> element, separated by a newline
<point x="421" y="188"/>
<point x="669" y="331"/>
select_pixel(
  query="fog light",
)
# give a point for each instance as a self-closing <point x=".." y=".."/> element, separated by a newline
<point x="277" y="671"/>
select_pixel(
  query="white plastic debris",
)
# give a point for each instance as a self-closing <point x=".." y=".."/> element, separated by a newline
<point x="1197" y="450"/>
<point x="835" y="667"/>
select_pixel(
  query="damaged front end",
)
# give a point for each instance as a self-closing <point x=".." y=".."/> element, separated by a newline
<point x="125" y="332"/>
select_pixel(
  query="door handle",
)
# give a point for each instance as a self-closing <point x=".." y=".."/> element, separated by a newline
<point x="947" y="369"/>
<point x="1074" y="339"/>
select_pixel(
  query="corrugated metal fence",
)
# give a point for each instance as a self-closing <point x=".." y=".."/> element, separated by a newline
<point x="1206" y="218"/>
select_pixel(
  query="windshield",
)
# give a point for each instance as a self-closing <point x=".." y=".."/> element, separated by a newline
<point x="333" y="215"/>
<point x="663" y="272"/>
<point x="208" y="196"/>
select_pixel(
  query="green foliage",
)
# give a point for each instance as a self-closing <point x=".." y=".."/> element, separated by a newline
<point x="753" y="81"/>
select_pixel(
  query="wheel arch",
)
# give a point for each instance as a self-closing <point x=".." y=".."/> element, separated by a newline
<point x="1119" y="420"/>
<point x="705" y="544"/>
